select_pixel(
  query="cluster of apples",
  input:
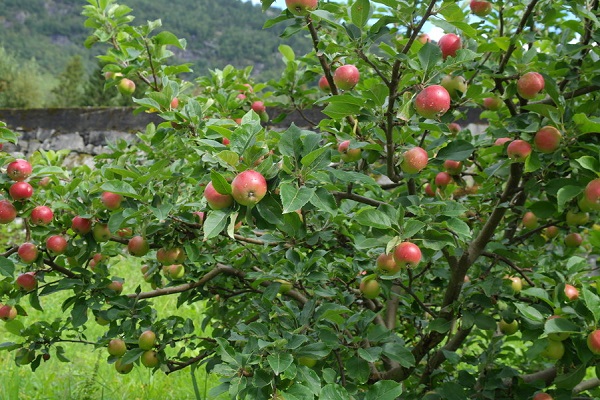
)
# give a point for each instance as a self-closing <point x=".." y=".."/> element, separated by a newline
<point x="147" y="341"/>
<point x="247" y="189"/>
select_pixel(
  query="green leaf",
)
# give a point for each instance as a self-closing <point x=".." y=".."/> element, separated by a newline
<point x="566" y="194"/>
<point x="359" y="13"/>
<point x="572" y="378"/>
<point x="7" y="267"/>
<point x="412" y="227"/>
<point x="543" y="209"/>
<point x="79" y="313"/>
<point x="592" y="302"/>
<point x="294" y="198"/>
<point x="587" y="125"/>
<point x="459" y="227"/>
<point x="399" y="353"/>
<point x="287" y="52"/>
<point x="220" y="183"/>
<point x="120" y="187"/>
<point x="214" y="224"/>
<point x="167" y="38"/>
<point x="132" y="355"/>
<point x="589" y="163"/>
<point x="529" y="312"/>
<point x="15" y="327"/>
<point x="429" y="55"/>
<point x="333" y="391"/>
<point x="280" y="362"/>
<point x="532" y="163"/>
<point x="373" y="218"/>
<point x="384" y="390"/>
<point x="560" y="325"/>
<point x="324" y="201"/>
<point x="457" y="150"/>
<point x="370" y="354"/>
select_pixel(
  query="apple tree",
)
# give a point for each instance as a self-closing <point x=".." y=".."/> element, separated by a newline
<point x="385" y="251"/>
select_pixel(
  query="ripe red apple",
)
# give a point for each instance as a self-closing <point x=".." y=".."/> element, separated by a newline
<point x="501" y="141"/>
<point x="455" y="85"/>
<point x="175" y="255"/>
<point x="547" y="139"/>
<point x="20" y="191"/>
<point x="530" y="220"/>
<point x="174" y="103"/>
<point x="101" y="232"/>
<point x="414" y="160"/>
<point x="387" y="265"/>
<point x="123" y="368"/>
<point x="117" y="347"/>
<point x="443" y="179"/>
<point x="429" y="190"/>
<point x="149" y="359"/>
<point x="324" y="85"/>
<point x="407" y="254"/>
<point x="573" y="240"/>
<point x="518" y="150"/>
<point x="81" y="225"/>
<point x="7" y="313"/>
<point x="432" y="102"/>
<point x="346" y="77"/>
<point x="551" y="232"/>
<point x="27" y="252"/>
<point x="147" y="340"/>
<point x="41" y="215"/>
<point x="138" y="246"/>
<point x="116" y="286"/>
<point x="19" y="170"/>
<point x="126" y="87"/>
<point x="454" y="128"/>
<point x="530" y="84"/>
<point x="453" y="167"/>
<point x="480" y="8"/>
<point x="216" y="200"/>
<point x="493" y="103"/>
<point x="111" y="201"/>
<point x="349" y="155"/>
<point x="508" y="328"/>
<point x="593" y="341"/>
<point x="258" y="107"/>
<point x="301" y="7"/>
<point x="248" y="187"/>
<point x="592" y="194"/>
<point x="56" y="244"/>
<point x="370" y="288"/>
<point x="571" y="292"/>
<point x="449" y="44"/>
<point x="542" y="396"/>
<point x="123" y="232"/>
<point x="8" y="212"/>
<point x="26" y="281"/>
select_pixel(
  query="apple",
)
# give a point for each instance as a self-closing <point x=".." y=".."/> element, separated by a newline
<point x="126" y="87"/>
<point x="387" y="265"/>
<point x="530" y="220"/>
<point x="593" y="341"/>
<point x="501" y="141"/>
<point x="44" y="182"/>
<point x="112" y="201"/>
<point x="592" y="194"/>
<point x="508" y="328"/>
<point x="40" y="215"/>
<point x="147" y="340"/>
<point x="492" y="103"/>
<point x="307" y="361"/>
<point x="149" y="359"/>
<point x="551" y="232"/>
<point x="554" y="350"/>
<point x="346" y="77"/>
<point x="480" y="8"/>
<point x="516" y="284"/>
<point x="454" y="128"/>
<point x="429" y="190"/>
<point x="449" y="44"/>
<point x="216" y="200"/>
<point x="248" y="187"/>
<point x="453" y="167"/>
<point x="117" y="347"/>
<point x="577" y="218"/>
<point x="101" y="232"/>
<point x="8" y="212"/>
<point x="301" y="8"/>
<point x="518" y="150"/>
<point x="455" y="85"/>
<point x="530" y="84"/>
<point x="123" y="368"/>
<point x="200" y="215"/>
<point x="20" y="191"/>
<point x="7" y="313"/>
<point x="547" y="139"/>
<point x="124" y="232"/>
<point x="28" y="252"/>
<point x="26" y="281"/>
<point x="573" y="240"/>
<point x="432" y="102"/>
<point x="175" y="255"/>
<point x="414" y="160"/>
<point x="443" y="179"/>
<point x="19" y="170"/>
<point x="175" y="271"/>
<point x="96" y="259"/>
<point x="138" y="246"/>
<point x="423" y="38"/>
<point x="571" y="292"/>
<point x="284" y="286"/>
<point x="81" y="225"/>
<point x="56" y="244"/>
<point x="407" y="253"/>
<point x="370" y="288"/>
<point x="258" y="107"/>
<point x="349" y="155"/>
<point x="116" y="286"/>
<point x="557" y="336"/>
<point x="324" y="84"/>
<point x="174" y="103"/>
<point x="542" y="396"/>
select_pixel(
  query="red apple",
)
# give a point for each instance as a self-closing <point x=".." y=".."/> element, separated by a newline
<point x="518" y="150"/>
<point x="530" y="84"/>
<point x="571" y="292"/>
<point x="126" y="87"/>
<point x="547" y="139"/>
<point x="19" y="170"/>
<point x="258" y="107"/>
<point x="573" y="240"/>
<point x="454" y="128"/>
<point x="542" y="396"/>
<point x="216" y="200"/>
<point x="174" y="103"/>
<point x="501" y="141"/>
<point x="387" y="265"/>
<point x="81" y="225"/>
<point x="346" y="77"/>
<point x="414" y="160"/>
<point x="349" y="155"/>
<point x="324" y="85"/>
<point x="301" y="7"/>
<point x="432" y="102"/>
<point x="551" y="232"/>
<point x="429" y="190"/>
<point x="116" y="286"/>
<point x="455" y="85"/>
<point x="453" y="167"/>
<point x="26" y="281"/>
<point x="443" y="179"/>
<point x="248" y="187"/>
<point x="27" y="252"/>
<point x="112" y="201"/>
<point x="138" y="246"/>
<point x="407" y="253"/>
<point x="449" y="44"/>
<point x="370" y="288"/>
<point x="591" y="194"/>
<point x="8" y="212"/>
<point x="593" y="341"/>
<point x="123" y="232"/>
<point x="147" y="340"/>
<point x="7" y="313"/>
<point x="44" y="182"/>
<point x="480" y="8"/>
<point x="241" y="96"/>
<point x="492" y="103"/>
<point x="41" y="215"/>
<point x="530" y="221"/>
<point x="56" y="244"/>
<point x="20" y="191"/>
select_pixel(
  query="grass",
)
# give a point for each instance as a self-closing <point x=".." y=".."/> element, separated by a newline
<point x="88" y="375"/>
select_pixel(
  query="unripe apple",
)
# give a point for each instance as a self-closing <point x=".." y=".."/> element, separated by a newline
<point x="554" y="350"/>
<point x="432" y="102"/>
<point x="324" y="84"/>
<point x="455" y="85"/>
<point x="347" y="154"/>
<point x="443" y="179"/>
<point x="19" y="170"/>
<point x="508" y="328"/>
<point x="28" y="252"/>
<point x="147" y="340"/>
<point x="593" y="341"/>
<point x="112" y="201"/>
<point x="573" y="240"/>
<point x="516" y="284"/>
<point x="480" y="8"/>
<point x="592" y="194"/>
<point x="571" y="292"/>
<point x="407" y="254"/>
<point x="7" y="313"/>
<point x="258" y="107"/>
<point x="530" y="220"/>
<point x="126" y="87"/>
<point x="547" y="139"/>
<point x="530" y="84"/>
<point x="56" y="244"/>
<point x="557" y="336"/>
<point x="518" y="150"/>
<point x="577" y="218"/>
<point x="149" y="359"/>
<point x="453" y="167"/>
<point x="346" y="77"/>
<point x="248" y="187"/>
<point x="123" y="368"/>
<point x="301" y="8"/>
<point x="542" y="396"/>
<point x="492" y="103"/>
<point x="81" y="225"/>
<point x="20" y="191"/>
<point x="501" y="141"/>
<point x="370" y="288"/>
<point x="117" y="347"/>
<point x="307" y="361"/>
<point x="216" y="200"/>
<point x="454" y="128"/>
<point x="449" y="44"/>
<point x="101" y="232"/>
<point x="138" y="246"/>
<point x="551" y="232"/>
<point x="175" y="271"/>
<point x="41" y="215"/>
<point x="8" y="212"/>
<point x="26" y="281"/>
<point x="387" y="265"/>
<point x="414" y="160"/>
<point x="423" y="38"/>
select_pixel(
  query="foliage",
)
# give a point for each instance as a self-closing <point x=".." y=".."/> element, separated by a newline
<point x="282" y="279"/>
<point x="22" y="83"/>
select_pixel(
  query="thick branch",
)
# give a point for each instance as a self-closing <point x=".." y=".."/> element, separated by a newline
<point x="571" y="95"/>
<point x="176" y="366"/>
<point x="358" y="198"/>
<point x="439" y="357"/>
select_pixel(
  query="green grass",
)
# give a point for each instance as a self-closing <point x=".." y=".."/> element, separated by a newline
<point x="88" y="375"/>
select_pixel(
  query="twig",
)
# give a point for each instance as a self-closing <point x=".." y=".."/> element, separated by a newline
<point x="358" y="198"/>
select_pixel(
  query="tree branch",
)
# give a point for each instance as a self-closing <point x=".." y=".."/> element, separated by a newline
<point x="358" y="198"/>
<point x="176" y="366"/>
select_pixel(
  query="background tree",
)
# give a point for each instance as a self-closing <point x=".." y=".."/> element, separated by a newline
<point x="69" y="91"/>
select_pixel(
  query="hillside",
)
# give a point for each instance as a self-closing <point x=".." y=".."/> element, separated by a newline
<point x="217" y="32"/>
